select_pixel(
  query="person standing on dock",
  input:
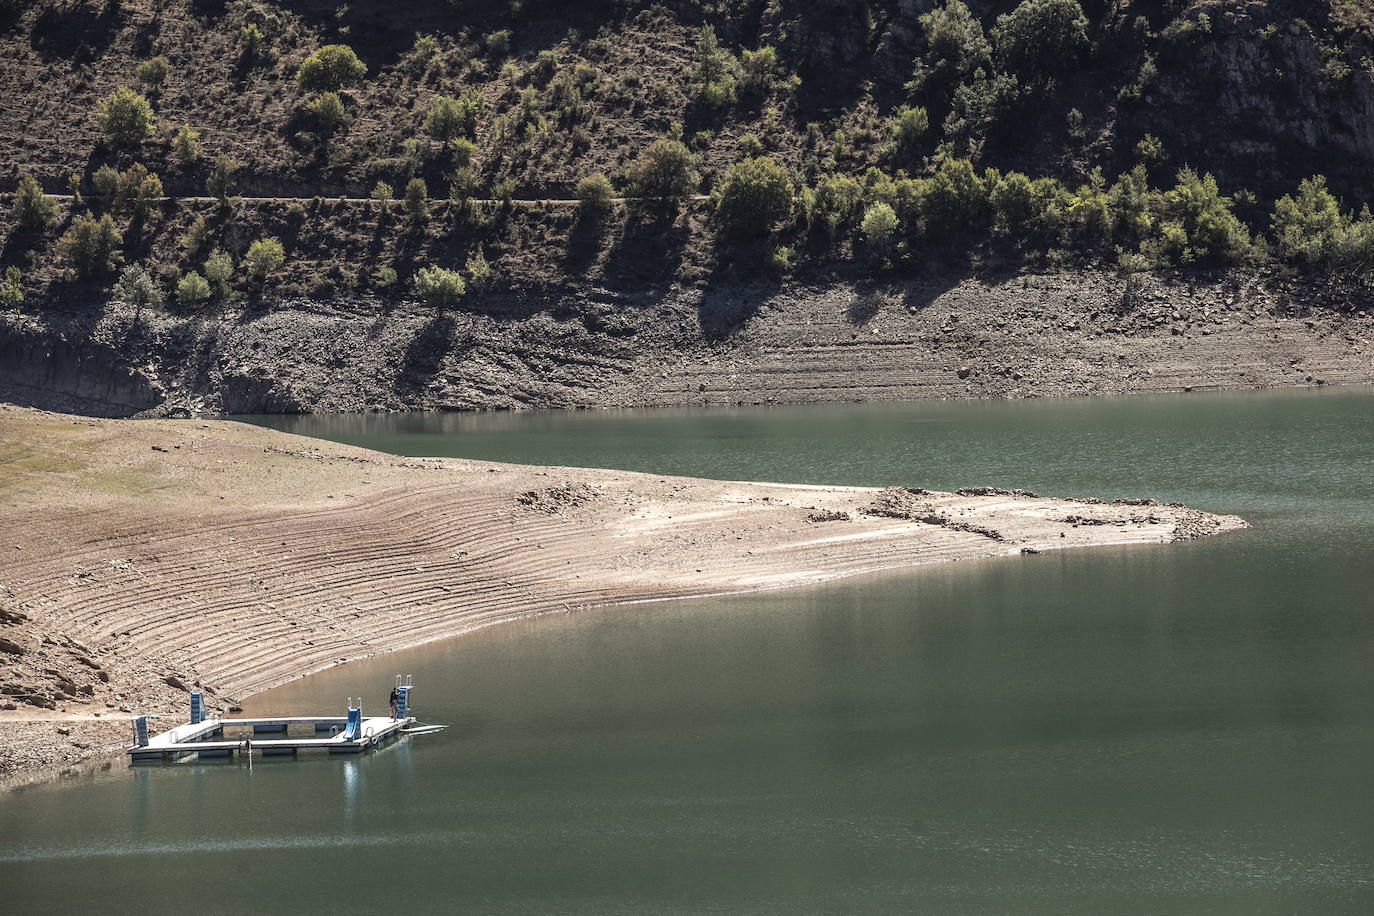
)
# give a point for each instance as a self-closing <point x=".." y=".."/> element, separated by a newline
<point x="394" y="700"/>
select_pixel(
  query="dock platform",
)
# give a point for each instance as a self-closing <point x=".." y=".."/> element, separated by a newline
<point x="210" y="736"/>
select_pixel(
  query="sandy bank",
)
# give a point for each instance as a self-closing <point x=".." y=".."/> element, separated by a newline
<point x="141" y="558"/>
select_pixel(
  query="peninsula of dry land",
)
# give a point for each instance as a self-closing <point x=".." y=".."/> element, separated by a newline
<point x="142" y="559"/>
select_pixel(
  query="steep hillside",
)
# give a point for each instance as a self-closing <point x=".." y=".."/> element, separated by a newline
<point x="215" y="161"/>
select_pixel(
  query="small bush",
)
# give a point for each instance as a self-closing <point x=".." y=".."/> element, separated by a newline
<point x="252" y="42"/>
<point x="92" y="246"/>
<point x="330" y="69"/>
<point x="125" y="117"/>
<point x="192" y="289"/>
<point x="498" y="43"/>
<point x="152" y="73"/>
<point x="141" y="190"/>
<point x="138" y="288"/>
<point x="265" y="256"/>
<point x="439" y="287"/>
<point x="33" y="210"/>
<point x="780" y="259"/>
<point x="758" y="70"/>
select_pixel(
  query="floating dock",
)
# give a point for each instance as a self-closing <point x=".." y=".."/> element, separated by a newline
<point x="210" y="736"/>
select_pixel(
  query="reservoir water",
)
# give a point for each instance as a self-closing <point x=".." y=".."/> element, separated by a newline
<point x="1173" y="729"/>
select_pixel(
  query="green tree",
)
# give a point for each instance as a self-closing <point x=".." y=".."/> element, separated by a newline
<point x="383" y="194"/>
<point x="152" y="73"/>
<point x="33" y="210"/>
<point x="479" y="272"/>
<point x="327" y="113"/>
<point x="755" y="195"/>
<point x="955" y="201"/>
<point x="836" y="203"/>
<point x="138" y="288"/>
<point x="186" y="145"/>
<point x="219" y="184"/>
<point x="219" y="272"/>
<point x="265" y="256"/>
<point x="107" y="184"/>
<point x="1041" y="37"/>
<point x="330" y="69"/>
<point x="192" y="289"/>
<point x="879" y="228"/>
<point x="439" y="287"/>
<point x="92" y="246"/>
<point x="416" y="201"/>
<point x="125" y="117"/>
<point x="12" y="288"/>
<point x="758" y="70"/>
<point x="1308" y="227"/>
<point x="908" y="127"/>
<point x="594" y="194"/>
<point x="664" y="173"/>
<point x="448" y="118"/>
<point x="956" y="46"/>
<point x="715" y="70"/>
<point x="1214" y="233"/>
<point x="139" y="190"/>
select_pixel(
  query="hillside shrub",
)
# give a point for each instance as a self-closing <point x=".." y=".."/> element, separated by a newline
<point x="479" y="272"/>
<point x="192" y="289"/>
<point x="594" y="194"/>
<point x="449" y="119"/>
<point x="125" y="117"/>
<point x="138" y="288"/>
<point x="186" y="145"/>
<point x="33" y="210"/>
<point x="152" y="73"/>
<point x="330" y="69"/>
<point x="755" y="195"/>
<point x="715" y="71"/>
<point x="11" y="288"/>
<point x="439" y="287"/>
<point x="220" y="183"/>
<point x="92" y="246"/>
<point x="416" y="201"/>
<point x="663" y="173"/>
<point x="265" y="256"/>
<point x="383" y="194"/>
<point x="1041" y="36"/>
<point x="326" y="113"/>
<point x="219" y="271"/>
<point x="879" y="228"/>
<point x="1307" y="227"/>
<point x="835" y="203"/>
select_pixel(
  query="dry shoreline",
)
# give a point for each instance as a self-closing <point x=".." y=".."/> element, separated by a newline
<point x="143" y="558"/>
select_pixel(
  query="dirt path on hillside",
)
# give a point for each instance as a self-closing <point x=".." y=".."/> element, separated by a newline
<point x="145" y="558"/>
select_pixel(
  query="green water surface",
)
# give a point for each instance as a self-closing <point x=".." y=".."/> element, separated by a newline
<point x="1174" y="729"/>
